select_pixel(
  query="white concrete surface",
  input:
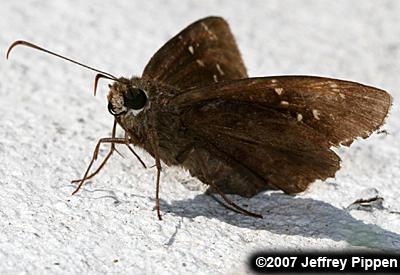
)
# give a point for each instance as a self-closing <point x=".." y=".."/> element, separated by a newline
<point x="49" y="124"/>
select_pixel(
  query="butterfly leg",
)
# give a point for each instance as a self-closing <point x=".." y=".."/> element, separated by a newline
<point x="113" y="140"/>
<point x="156" y="151"/>
<point x="98" y="168"/>
<point x="86" y="176"/>
<point x="106" y="159"/>
<point x="96" y="153"/>
<point x="127" y="143"/>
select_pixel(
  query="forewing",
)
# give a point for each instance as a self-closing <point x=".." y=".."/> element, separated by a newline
<point x="203" y="53"/>
<point x="339" y="110"/>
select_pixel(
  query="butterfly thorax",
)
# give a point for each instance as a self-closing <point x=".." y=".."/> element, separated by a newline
<point x="155" y="115"/>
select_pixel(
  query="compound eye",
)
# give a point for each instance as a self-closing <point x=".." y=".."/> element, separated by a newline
<point x="135" y="98"/>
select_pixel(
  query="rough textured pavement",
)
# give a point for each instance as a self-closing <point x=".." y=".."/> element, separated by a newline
<point x="50" y="122"/>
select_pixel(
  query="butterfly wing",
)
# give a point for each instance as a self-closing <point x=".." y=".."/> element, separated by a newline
<point x="281" y="128"/>
<point x="203" y="53"/>
<point x="341" y="110"/>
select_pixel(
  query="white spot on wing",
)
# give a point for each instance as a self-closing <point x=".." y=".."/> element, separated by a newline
<point x="210" y="33"/>
<point x="299" y="117"/>
<point x="204" y="26"/>
<point x="284" y="103"/>
<point x="221" y="72"/>
<point x="191" y="50"/>
<point x="316" y="114"/>
<point x="333" y="85"/>
<point x="215" y="78"/>
<point x="278" y="91"/>
<point x="200" y="62"/>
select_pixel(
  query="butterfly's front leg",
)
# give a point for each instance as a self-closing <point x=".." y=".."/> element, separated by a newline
<point x="113" y="140"/>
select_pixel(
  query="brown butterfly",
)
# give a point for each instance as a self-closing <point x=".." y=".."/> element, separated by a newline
<point x="195" y="107"/>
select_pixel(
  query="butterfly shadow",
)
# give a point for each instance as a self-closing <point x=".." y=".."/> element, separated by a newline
<point x="288" y="215"/>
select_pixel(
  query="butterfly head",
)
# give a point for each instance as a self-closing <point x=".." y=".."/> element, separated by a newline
<point x="125" y="97"/>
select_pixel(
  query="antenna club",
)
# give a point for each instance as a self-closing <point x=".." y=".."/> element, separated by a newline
<point x="15" y="43"/>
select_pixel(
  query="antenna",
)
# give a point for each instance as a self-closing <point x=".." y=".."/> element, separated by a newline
<point x="31" y="45"/>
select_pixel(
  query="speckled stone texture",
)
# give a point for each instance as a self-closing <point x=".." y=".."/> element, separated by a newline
<point x="50" y="122"/>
